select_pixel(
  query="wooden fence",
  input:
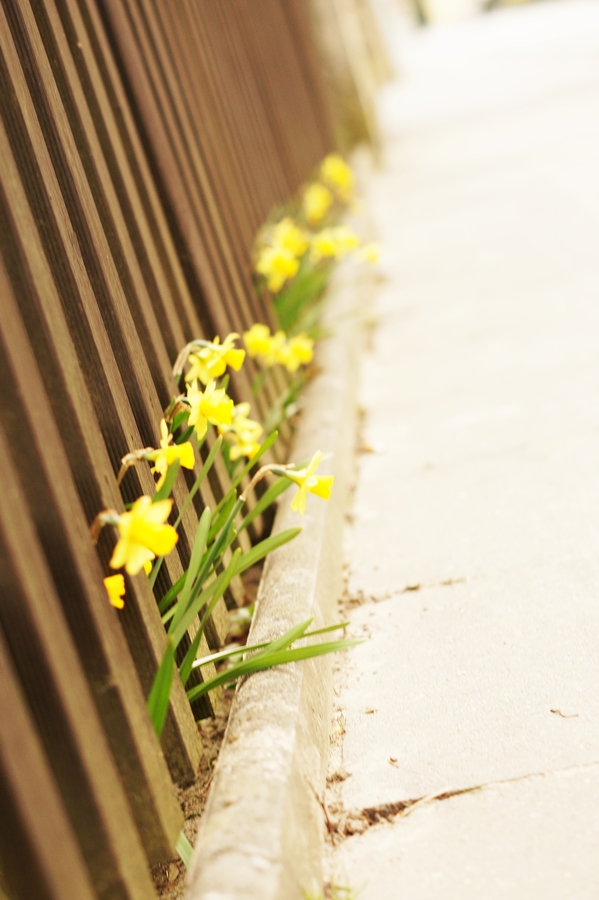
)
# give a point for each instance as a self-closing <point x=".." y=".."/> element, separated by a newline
<point x="142" y="144"/>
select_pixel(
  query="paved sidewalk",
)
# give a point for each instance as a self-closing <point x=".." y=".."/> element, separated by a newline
<point x="474" y="551"/>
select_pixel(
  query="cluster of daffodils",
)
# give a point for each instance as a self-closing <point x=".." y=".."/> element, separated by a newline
<point x="287" y="245"/>
<point x="144" y="534"/>
<point x="311" y="242"/>
<point x="202" y="371"/>
<point x="269" y="349"/>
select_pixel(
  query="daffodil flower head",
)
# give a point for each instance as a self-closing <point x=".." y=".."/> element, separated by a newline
<point x="288" y="236"/>
<point x="243" y="433"/>
<point x="334" y="242"/>
<point x="307" y="481"/>
<point x="143" y="534"/>
<point x="209" y="406"/>
<point x="115" y="588"/>
<point x="316" y="202"/>
<point x="296" y="351"/>
<point x="168" y="453"/>
<point x="277" y="264"/>
<point x="257" y="340"/>
<point x="276" y="344"/>
<point x="210" y="360"/>
<point x="335" y="172"/>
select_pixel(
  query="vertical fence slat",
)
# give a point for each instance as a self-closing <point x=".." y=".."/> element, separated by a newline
<point x="104" y="654"/>
<point x="57" y="693"/>
<point x="41" y="856"/>
<point x="53" y="347"/>
<point x="102" y="327"/>
<point x="110" y="201"/>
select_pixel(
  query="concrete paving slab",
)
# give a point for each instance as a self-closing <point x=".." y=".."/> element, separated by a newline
<point x="493" y="268"/>
<point x="455" y="685"/>
<point x="473" y="552"/>
<point x="536" y="838"/>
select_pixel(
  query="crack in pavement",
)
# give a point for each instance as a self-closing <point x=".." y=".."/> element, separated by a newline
<point x="359" y="599"/>
<point x="349" y="823"/>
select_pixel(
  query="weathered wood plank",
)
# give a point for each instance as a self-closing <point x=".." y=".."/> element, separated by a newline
<point x="67" y="390"/>
<point x="36" y="446"/>
<point x="103" y="330"/>
<point x="57" y="692"/>
<point x="115" y="197"/>
<point x="37" y="859"/>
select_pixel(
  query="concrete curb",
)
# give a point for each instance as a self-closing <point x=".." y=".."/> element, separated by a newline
<point x="261" y="833"/>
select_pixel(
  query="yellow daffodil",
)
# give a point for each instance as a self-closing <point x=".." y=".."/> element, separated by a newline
<point x="295" y="352"/>
<point x="277" y="348"/>
<point x="333" y="242"/>
<point x="370" y="253"/>
<point x="147" y="567"/>
<point x="277" y="265"/>
<point x="115" y="588"/>
<point x="257" y="340"/>
<point x="210" y="360"/>
<point x="168" y="453"/>
<point x="288" y="236"/>
<point x="335" y="171"/>
<point x="143" y="534"/>
<point x="210" y="406"/>
<point x="243" y="433"/>
<point x="306" y="480"/>
<point x="261" y="343"/>
<point x="276" y="344"/>
<point x="317" y="202"/>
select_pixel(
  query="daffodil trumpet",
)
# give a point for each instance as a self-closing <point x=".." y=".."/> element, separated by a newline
<point x="163" y="457"/>
<point x="115" y="588"/>
<point x="305" y="479"/>
<point x="209" y="359"/>
<point x="143" y="533"/>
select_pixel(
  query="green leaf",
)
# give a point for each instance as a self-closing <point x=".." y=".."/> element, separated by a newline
<point x="220" y="518"/>
<point x="165" y="490"/>
<point x="187" y="664"/>
<point x="184" y="849"/>
<point x="196" y="485"/>
<point x="172" y="591"/>
<point x="274" y="491"/>
<point x="266" y="546"/>
<point x="179" y="419"/>
<point x="224" y="654"/>
<point x="266" y="660"/>
<point x="209" y="559"/>
<point x="258" y="382"/>
<point x="306" y="287"/>
<point x="202" y="474"/>
<point x="180" y="439"/>
<point x="161" y="689"/>
<point x="219" y="544"/>
<point x="197" y="554"/>
<point x="224" y="581"/>
<point x="215" y="590"/>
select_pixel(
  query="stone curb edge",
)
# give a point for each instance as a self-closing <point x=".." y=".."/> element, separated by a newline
<point x="260" y="836"/>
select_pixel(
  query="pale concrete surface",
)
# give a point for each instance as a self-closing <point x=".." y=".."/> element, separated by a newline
<point x="481" y="398"/>
<point x="458" y="848"/>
